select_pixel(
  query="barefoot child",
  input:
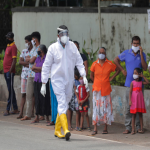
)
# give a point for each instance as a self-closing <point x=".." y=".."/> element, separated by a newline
<point x="136" y="99"/>
<point x="82" y="94"/>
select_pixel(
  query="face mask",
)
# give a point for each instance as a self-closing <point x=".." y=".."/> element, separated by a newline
<point x="33" y="42"/>
<point x="64" y="39"/>
<point x="39" y="53"/>
<point x="135" y="76"/>
<point x="8" y="41"/>
<point x="27" y="46"/>
<point x="81" y="82"/>
<point x="135" y="49"/>
<point x="101" y="56"/>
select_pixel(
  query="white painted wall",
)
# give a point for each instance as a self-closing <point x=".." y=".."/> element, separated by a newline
<point x="117" y="29"/>
<point x="81" y="26"/>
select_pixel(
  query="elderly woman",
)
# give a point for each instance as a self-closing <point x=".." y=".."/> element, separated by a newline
<point x="102" y="104"/>
<point x="42" y="104"/>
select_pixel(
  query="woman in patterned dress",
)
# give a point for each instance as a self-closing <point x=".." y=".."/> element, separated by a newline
<point x="102" y="104"/>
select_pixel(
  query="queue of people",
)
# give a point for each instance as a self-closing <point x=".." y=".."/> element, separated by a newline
<point x="54" y="82"/>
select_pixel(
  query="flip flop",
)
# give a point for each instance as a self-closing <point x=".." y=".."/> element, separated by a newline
<point x="126" y="132"/>
<point x="6" y="114"/>
<point x="19" y="117"/>
<point x="133" y="132"/>
<point x="94" y="133"/>
<point x="70" y="128"/>
<point x="13" y="113"/>
<point x="105" y="132"/>
<point x="141" y="131"/>
<point x="51" y="124"/>
<point x="77" y="128"/>
<point x="34" y="122"/>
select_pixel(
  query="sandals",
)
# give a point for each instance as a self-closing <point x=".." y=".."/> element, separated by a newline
<point x="105" y="132"/>
<point x="94" y="133"/>
<point x="126" y="132"/>
<point x="133" y="132"/>
<point x="77" y="128"/>
<point x="80" y="129"/>
<point x="70" y="128"/>
<point x="141" y="131"/>
<point x="35" y="121"/>
<point x="6" y="114"/>
<point x="19" y="117"/>
<point x="51" y="124"/>
<point x="14" y="112"/>
<point x="89" y="129"/>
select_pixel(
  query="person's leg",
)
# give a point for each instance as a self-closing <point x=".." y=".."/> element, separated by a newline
<point x="133" y="123"/>
<point x="69" y="114"/>
<point x="62" y="110"/>
<point x="82" y="120"/>
<point x="77" y="119"/>
<point x="37" y="102"/>
<point x="23" y="100"/>
<point x="14" y="101"/>
<point x="7" y="79"/>
<point x="33" y="106"/>
<point x="128" y="115"/>
<point x="29" y="96"/>
<point x="141" y="122"/>
<point x="87" y="119"/>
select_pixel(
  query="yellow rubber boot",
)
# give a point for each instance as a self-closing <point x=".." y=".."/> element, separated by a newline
<point x="64" y="124"/>
<point x="58" y="128"/>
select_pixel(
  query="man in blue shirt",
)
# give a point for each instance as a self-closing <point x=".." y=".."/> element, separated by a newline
<point x="133" y="58"/>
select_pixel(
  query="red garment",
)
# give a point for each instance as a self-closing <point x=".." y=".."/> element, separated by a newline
<point x="82" y="93"/>
<point x="10" y="53"/>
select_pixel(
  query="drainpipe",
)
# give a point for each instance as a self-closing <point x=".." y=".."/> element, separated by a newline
<point x="99" y="16"/>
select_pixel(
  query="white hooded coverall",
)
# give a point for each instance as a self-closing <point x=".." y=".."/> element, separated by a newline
<point x="61" y="63"/>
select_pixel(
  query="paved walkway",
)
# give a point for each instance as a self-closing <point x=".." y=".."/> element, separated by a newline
<point x="115" y="131"/>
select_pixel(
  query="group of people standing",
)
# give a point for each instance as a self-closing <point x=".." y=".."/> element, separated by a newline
<point x="55" y="81"/>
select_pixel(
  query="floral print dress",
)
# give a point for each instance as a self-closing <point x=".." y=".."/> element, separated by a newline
<point x="102" y="109"/>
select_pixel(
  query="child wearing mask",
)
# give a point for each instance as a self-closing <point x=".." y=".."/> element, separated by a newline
<point x="82" y="94"/>
<point x="136" y="99"/>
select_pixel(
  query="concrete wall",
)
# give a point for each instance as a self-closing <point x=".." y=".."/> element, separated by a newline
<point x="118" y="26"/>
<point x="118" y="100"/>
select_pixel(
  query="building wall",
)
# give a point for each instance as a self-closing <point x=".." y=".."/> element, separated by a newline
<point x="118" y="26"/>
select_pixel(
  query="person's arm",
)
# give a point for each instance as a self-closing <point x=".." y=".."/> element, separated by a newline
<point x="23" y="63"/>
<point x="47" y="65"/>
<point x="76" y="93"/>
<point x="36" y="69"/>
<point x="130" y="93"/>
<point x="13" y="65"/>
<point x="32" y="60"/>
<point x="92" y="76"/>
<point x="116" y="73"/>
<point x="149" y="66"/>
<point x="79" y="62"/>
<point x="86" y="66"/>
<point x="88" y="95"/>
<point x="14" y="57"/>
<point x="145" y="79"/>
<point x="143" y="60"/>
<point x="117" y="62"/>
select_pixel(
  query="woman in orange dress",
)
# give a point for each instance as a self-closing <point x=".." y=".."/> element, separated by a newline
<point x="102" y="104"/>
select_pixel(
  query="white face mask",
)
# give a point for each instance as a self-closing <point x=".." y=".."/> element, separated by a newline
<point x="27" y="46"/>
<point x="135" y="76"/>
<point x="135" y="49"/>
<point x="101" y="56"/>
<point x="33" y="42"/>
<point x="64" y="39"/>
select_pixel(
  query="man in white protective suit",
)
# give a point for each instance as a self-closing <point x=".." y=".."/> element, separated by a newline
<point x="61" y="59"/>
